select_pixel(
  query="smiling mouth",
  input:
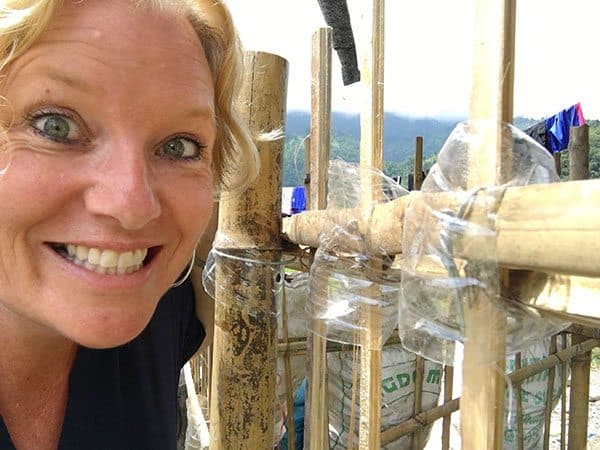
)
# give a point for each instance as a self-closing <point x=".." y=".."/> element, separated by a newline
<point x="105" y="261"/>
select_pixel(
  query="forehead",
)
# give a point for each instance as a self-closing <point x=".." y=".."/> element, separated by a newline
<point x="116" y="45"/>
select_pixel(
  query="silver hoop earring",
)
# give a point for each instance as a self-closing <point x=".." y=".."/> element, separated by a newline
<point x="187" y="273"/>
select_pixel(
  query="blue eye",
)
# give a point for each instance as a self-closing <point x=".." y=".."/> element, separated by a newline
<point x="181" y="148"/>
<point x="56" y="126"/>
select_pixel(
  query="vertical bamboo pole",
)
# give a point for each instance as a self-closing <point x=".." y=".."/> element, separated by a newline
<point x="317" y="408"/>
<point x="245" y="317"/>
<point x="447" y="421"/>
<point x="307" y="171"/>
<point x="482" y="402"/>
<point x="371" y="155"/>
<point x="558" y="163"/>
<point x="417" y="443"/>
<point x="549" y="396"/>
<point x="287" y="367"/>
<point x="579" y="152"/>
<point x="563" y="398"/>
<point x="580" y="365"/>
<point x="418" y="165"/>
<point x="518" y="389"/>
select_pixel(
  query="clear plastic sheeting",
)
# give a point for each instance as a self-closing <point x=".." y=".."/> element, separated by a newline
<point x="438" y="283"/>
<point x="229" y="274"/>
<point x="354" y="286"/>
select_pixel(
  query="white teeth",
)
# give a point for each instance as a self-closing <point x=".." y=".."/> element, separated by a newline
<point x="109" y="258"/>
<point x="125" y="260"/>
<point x="107" y="261"/>
<point x="94" y="256"/>
<point x="82" y="252"/>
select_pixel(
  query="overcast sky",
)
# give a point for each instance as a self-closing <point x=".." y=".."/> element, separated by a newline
<point x="427" y="53"/>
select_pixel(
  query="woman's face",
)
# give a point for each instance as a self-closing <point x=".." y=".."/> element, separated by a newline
<point x="108" y="181"/>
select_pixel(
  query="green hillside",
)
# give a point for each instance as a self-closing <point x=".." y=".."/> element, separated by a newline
<point x="399" y="143"/>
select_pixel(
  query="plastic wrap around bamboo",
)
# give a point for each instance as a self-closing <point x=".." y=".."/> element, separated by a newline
<point x="244" y="366"/>
<point x="534" y="224"/>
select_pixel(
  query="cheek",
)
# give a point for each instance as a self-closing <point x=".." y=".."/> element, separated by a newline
<point x="191" y="206"/>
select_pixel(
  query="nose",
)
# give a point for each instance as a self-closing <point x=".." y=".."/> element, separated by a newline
<point x="123" y="189"/>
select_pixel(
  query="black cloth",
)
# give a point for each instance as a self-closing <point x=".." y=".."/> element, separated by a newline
<point x="337" y="17"/>
<point x="125" y="398"/>
<point x="539" y="134"/>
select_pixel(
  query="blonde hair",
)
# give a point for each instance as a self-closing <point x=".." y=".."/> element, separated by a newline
<point x="235" y="158"/>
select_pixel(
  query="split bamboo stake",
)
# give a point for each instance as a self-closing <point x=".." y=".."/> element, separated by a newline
<point x="549" y="396"/>
<point x="447" y="421"/>
<point x="418" y="400"/>
<point x="371" y="156"/>
<point x="317" y="408"/>
<point x="517" y="377"/>
<point x="563" y="398"/>
<point x="482" y="410"/>
<point x="289" y="385"/>
<point x="245" y="340"/>
<point x="519" y="400"/>
<point x="418" y="165"/>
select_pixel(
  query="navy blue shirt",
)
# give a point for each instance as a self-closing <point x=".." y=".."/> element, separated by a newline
<point x="126" y="397"/>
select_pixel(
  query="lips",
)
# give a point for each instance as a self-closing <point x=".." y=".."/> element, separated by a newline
<point x="103" y="261"/>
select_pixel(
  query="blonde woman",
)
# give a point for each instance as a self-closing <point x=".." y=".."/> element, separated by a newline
<point x="116" y="131"/>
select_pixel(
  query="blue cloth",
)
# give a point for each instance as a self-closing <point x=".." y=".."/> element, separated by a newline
<point x="298" y="200"/>
<point x="557" y="127"/>
<point x="298" y="419"/>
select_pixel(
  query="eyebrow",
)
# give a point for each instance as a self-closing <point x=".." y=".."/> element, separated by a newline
<point x="203" y="112"/>
<point x="75" y="83"/>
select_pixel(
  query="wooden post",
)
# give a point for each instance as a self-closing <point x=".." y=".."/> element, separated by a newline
<point x="316" y="433"/>
<point x="243" y="382"/>
<point x="371" y="156"/>
<point x="482" y="402"/>
<point x="418" y="165"/>
<point x="579" y="149"/>
<point x="579" y="152"/>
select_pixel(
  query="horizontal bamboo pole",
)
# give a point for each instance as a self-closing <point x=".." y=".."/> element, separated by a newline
<point x="298" y="347"/>
<point x="547" y="227"/>
<point x="431" y="415"/>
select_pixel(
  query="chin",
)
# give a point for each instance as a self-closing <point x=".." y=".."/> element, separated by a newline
<point x="108" y="331"/>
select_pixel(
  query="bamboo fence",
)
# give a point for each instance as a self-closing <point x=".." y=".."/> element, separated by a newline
<point x="565" y="245"/>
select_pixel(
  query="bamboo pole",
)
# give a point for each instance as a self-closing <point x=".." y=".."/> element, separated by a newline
<point x="578" y="399"/>
<point x="317" y="409"/>
<point x="418" y="400"/>
<point x="534" y="224"/>
<point x="418" y="166"/>
<point x="558" y="163"/>
<point x="482" y="410"/>
<point x="579" y="152"/>
<point x="580" y="366"/>
<point x="549" y="397"/>
<point x="243" y="384"/>
<point x="447" y="421"/>
<point x="289" y="385"/>
<point x="563" y="398"/>
<point x="371" y="156"/>
<point x="519" y="400"/>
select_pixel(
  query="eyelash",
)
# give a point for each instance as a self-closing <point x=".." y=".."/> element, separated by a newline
<point x="34" y="117"/>
<point x="188" y="159"/>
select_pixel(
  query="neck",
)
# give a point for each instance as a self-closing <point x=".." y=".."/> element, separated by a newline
<point x="33" y="357"/>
